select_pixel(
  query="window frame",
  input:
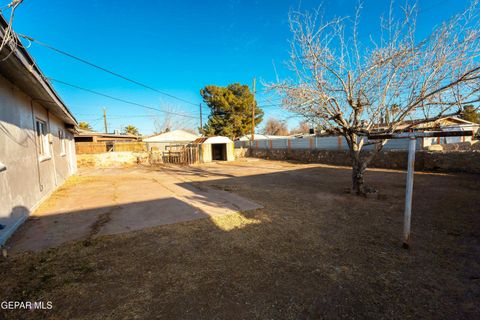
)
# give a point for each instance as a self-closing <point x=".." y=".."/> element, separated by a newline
<point x="63" y="145"/>
<point x="41" y="133"/>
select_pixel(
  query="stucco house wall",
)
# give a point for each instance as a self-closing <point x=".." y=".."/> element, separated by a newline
<point x="28" y="178"/>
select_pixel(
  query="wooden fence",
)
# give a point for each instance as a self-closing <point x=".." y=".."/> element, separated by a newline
<point x="178" y="154"/>
<point x="102" y="147"/>
<point x="185" y="155"/>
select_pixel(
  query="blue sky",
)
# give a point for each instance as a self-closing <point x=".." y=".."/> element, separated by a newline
<point x="177" y="47"/>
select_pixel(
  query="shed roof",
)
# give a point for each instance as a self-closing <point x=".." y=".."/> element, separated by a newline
<point x="213" y="140"/>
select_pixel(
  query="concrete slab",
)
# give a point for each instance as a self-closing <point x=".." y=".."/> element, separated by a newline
<point x="110" y="201"/>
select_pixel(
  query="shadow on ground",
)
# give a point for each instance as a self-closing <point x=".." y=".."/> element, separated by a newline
<point x="312" y="252"/>
<point x="49" y="231"/>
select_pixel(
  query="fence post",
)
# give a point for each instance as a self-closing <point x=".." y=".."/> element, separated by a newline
<point x="270" y="144"/>
<point x="340" y="140"/>
<point x="409" y="192"/>
<point x="310" y="143"/>
<point x="289" y="144"/>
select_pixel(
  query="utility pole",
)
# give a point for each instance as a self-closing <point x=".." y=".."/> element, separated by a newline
<point x="201" y="120"/>
<point x="105" y="119"/>
<point x="253" y="111"/>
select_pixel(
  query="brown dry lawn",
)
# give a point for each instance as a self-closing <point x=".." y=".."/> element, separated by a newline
<point x="313" y="252"/>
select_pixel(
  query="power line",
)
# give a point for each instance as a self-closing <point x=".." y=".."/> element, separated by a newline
<point x="118" y="99"/>
<point x="95" y="115"/>
<point x="104" y="69"/>
<point x="112" y="72"/>
<point x="117" y="75"/>
<point x="270" y="105"/>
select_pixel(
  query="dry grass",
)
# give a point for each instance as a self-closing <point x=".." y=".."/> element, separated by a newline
<point x="312" y="252"/>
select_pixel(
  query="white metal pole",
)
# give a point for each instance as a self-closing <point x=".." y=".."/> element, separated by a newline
<point x="409" y="191"/>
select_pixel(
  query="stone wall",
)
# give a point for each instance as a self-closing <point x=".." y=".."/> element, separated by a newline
<point x="240" y="152"/>
<point x="459" y="146"/>
<point x="112" y="159"/>
<point x="447" y="161"/>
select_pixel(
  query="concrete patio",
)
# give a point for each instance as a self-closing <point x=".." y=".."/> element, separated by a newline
<point x="109" y="201"/>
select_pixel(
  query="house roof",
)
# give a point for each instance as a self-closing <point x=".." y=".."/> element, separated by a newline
<point x="173" y="136"/>
<point x="212" y="140"/>
<point x="20" y="69"/>
<point x="85" y="133"/>
<point x="447" y="121"/>
<point x="444" y="122"/>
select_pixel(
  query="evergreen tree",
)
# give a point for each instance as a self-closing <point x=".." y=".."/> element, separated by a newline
<point x="130" y="129"/>
<point x="470" y="113"/>
<point x="230" y="110"/>
<point x="85" y="126"/>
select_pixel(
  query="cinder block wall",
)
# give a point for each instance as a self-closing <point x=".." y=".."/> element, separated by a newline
<point x="449" y="161"/>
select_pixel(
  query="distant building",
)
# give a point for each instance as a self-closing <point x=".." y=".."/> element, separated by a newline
<point x="261" y="137"/>
<point x="90" y="136"/>
<point x="446" y="124"/>
<point x="170" y="140"/>
<point x="37" y="151"/>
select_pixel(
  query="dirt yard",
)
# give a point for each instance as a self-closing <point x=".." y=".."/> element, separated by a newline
<point x="312" y="252"/>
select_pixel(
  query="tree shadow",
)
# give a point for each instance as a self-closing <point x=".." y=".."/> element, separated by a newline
<point x="313" y="252"/>
<point x="47" y="231"/>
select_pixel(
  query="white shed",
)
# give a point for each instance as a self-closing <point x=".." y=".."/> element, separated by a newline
<point x="215" y="149"/>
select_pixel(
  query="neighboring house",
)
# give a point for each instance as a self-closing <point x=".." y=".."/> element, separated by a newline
<point x="215" y="148"/>
<point x="335" y="142"/>
<point x="37" y="151"/>
<point x="446" y="124"/>
<point x="170" y="140"/>
<point x="90" y="136"/>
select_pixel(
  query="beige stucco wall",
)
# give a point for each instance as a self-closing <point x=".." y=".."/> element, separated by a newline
<point x="206" y="153"/>
<point x="26" y="180"/>
<point x="230" y="151"/>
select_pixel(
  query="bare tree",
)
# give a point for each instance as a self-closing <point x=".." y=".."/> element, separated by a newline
<point x="354" y="88"/>
<point x="172" y="119"/>
<point x="303" y="127"/>
<point x="276" y="127"/>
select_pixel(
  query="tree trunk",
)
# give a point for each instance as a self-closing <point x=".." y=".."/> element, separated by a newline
<point x="357" y="168"/>
<point x="358" y="184"/>
<point x="359" y="164"/>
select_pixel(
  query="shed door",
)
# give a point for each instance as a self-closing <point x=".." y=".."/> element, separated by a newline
<point x="219" y="151"/>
